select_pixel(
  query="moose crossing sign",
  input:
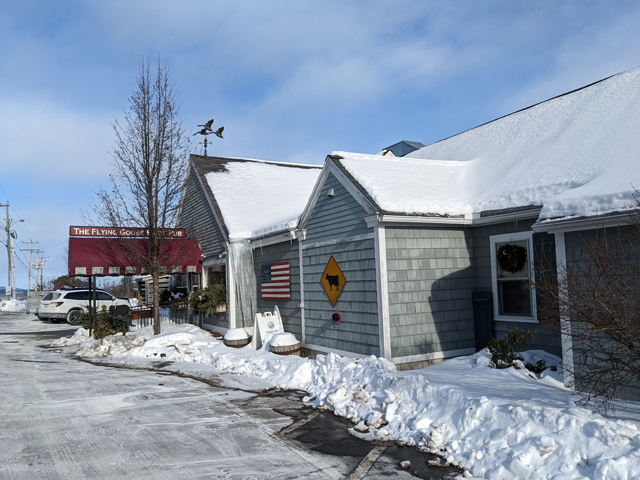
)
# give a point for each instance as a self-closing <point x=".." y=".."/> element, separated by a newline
<point x="333" y="281"/>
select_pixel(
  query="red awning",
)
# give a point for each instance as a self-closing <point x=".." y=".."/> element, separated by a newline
<point x="108" y="256"/>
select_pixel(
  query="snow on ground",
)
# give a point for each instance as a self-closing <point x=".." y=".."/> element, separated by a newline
<point x="13" y="305"/>
<point x="242" y="187"/>
<point x="500" y="424"/>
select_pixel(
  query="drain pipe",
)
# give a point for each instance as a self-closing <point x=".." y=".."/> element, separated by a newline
<point x="301" y="304"/>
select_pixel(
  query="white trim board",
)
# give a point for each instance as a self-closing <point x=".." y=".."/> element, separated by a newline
<point x="288" y="236"/>
<point x="342" y="353"/>
<point x="433" y="356"/>
<point x="575" y="225"/>
<point x="565" y="323"/>
<point x="469" y="220"/>
<point x="382" y="288"/>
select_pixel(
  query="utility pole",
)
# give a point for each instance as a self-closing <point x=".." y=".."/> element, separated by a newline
<point x="7" y="228"/>
<point x="42" y="272"/>
<point x="10" y="286"/>
<point x="36" y="266"/>
<point x="13" y="268"/>
<point x="30" y="264"/>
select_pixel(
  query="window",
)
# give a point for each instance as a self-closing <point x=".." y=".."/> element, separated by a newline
<point x="77" y="296"/>
<point x="104" y="296"/>
<point x="511" y="272"/>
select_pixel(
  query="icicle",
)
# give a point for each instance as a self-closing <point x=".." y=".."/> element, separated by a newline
<point x="245" y="278"/>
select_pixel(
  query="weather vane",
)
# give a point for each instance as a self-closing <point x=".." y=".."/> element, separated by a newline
<point x="207" y="130"/>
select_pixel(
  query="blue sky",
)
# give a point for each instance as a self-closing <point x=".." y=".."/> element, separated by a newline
<point x="289" y="80"/>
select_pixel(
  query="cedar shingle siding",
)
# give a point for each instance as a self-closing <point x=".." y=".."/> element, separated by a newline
<point x="430" y="283"/>
<point x="196" y="216"/>
<point x="335" y="217"/>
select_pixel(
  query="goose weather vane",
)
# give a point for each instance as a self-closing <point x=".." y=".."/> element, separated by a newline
<point x="207" y="130"/>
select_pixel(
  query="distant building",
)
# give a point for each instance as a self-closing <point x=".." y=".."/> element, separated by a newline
<point x="401" y="149"/>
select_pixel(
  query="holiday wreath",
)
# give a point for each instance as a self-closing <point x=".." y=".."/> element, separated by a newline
<point x="511" y="258"/>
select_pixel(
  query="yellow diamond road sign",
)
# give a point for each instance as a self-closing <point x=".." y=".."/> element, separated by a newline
<point x="333" y="281"/>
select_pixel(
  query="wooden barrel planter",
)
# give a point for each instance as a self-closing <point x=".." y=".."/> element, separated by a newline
<point x="286" y="349"/>
<point x="237" y="338"/>
<point x="243" y="342"/>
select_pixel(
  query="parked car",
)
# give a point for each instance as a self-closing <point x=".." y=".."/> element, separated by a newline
<point x="69" y="305"/>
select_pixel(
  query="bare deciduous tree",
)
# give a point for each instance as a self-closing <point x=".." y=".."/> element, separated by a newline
<point x="598" y="297"/>
<point x="150" y="161"/>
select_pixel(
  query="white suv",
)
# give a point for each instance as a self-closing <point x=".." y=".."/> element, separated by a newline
<point x="69" y="305"/>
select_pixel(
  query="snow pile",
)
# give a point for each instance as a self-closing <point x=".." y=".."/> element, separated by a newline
<point x="13" y="305"/>
<point x="502" y="424"/>
<point x="283" y="340"/>
<point x="236" y="334"/>
<point x="81" y="335"/>
<point x="577" y="154"/>
<point x="257" y="197"/>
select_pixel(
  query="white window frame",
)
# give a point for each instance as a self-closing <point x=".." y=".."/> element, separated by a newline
<point x="512" y="237"/>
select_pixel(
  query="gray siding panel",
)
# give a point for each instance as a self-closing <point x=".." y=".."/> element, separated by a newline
<point x="196" y="216"/>
<point x="358" y="331"/>
<point x="430" y="280"/>
<point x="289" y="310"/>
<point x="199" y="221"/>
<point x="335" y="217"/>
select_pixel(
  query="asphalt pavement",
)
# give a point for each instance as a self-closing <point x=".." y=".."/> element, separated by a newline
<point x="65" y="418"/>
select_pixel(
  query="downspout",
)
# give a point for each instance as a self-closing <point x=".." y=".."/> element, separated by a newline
<point x="301" y="304"/>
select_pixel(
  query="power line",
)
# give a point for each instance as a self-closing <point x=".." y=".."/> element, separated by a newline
<point x="24" y="228"/>
<point x="18" y="258"/>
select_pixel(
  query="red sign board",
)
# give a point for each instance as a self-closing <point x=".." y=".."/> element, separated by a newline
<point x="121" y="232"/>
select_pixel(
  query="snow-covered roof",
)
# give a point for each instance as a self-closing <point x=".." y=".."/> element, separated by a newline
<point x="256" y="197"/>
<point x="576" y="155"/>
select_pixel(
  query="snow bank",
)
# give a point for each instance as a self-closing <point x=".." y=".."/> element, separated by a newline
<point x="257" y="197"/>
<point x="577" y="154"/>
<point x="502" y="424"/>
<point x="13" y="305"/>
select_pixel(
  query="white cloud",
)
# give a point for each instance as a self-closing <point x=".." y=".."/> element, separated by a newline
<point x="53" y="142"/>
<point x="289" y="80"/>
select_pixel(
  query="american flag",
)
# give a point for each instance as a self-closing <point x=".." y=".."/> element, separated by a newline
<point x="275" y="281"/>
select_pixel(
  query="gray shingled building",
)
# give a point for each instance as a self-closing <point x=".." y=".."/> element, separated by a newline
<point x="415" y="238"/>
